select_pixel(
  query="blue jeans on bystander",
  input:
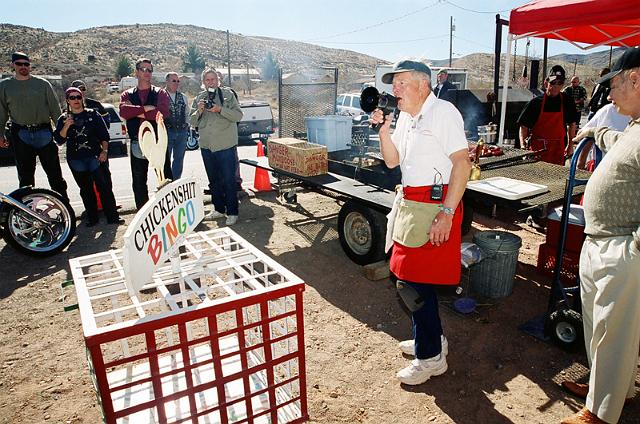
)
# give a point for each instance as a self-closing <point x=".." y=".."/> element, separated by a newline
<point x="177" y="145"/>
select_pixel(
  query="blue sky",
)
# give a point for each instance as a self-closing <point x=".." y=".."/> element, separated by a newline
<point x="385" y="29"/>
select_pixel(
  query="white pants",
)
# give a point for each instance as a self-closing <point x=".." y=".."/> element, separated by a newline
<point x="610" y="290"/>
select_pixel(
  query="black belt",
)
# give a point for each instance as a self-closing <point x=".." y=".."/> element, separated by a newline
<point x="33" y="127"/>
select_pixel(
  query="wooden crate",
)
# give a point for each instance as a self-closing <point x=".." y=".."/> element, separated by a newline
<point x="297" y="156"/>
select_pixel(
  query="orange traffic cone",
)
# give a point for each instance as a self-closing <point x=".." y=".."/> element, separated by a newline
<point x="95" y="189"/>
<point x="261" y="180"/>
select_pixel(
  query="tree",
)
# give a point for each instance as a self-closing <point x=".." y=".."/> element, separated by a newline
<point x="193" y="60"/>
<point x="123" y="67"/>
<point x="270" y="67"/>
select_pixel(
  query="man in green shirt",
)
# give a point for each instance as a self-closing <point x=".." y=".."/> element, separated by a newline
<point x="31" y="104"/>
<point x="610" y="257"/>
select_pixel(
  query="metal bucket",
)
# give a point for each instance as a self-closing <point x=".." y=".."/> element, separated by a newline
<point x="494" y="275"/>
<point x="488" y="133"/>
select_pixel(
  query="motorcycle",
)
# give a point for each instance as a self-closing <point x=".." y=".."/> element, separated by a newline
<point x="36" y="221"/>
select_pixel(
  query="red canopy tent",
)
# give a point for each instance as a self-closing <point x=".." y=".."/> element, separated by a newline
<point x="595" y="22"/>
<point x="584" y="23"/>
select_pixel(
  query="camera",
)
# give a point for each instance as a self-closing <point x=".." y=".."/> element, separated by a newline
<point x="371" y="99"/>
<point x="209" y="102"/>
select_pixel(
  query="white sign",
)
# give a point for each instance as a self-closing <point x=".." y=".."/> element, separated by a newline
<point x="159" y="228"/>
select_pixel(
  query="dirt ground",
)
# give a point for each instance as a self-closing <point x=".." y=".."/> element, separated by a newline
<point x="497" y="374"/>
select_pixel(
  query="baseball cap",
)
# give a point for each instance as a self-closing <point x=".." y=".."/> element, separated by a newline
<point x="72" y="90"/>
<point x="557" y="72"/>
<point x="19" y="55"/>
<point x="405" y="66"/>
<point x="78" y="84"/>
<point x="443" y="71"/>
<point x="629" y="59"/>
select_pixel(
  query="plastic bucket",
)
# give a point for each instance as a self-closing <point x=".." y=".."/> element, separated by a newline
<point x="494" y="275"/>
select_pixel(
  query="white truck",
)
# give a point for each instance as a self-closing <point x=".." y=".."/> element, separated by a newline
<point x="457" y="76"/>
<point x="127" y="82"/>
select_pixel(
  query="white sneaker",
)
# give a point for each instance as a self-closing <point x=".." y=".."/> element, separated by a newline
<point x="214" y="214"/>
<point x="422" y="370"/>
<point x="232" y="219"/>
<point x="408" y="346"/>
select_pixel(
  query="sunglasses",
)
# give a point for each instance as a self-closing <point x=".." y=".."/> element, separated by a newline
<point x="74" y="98"/>
<point x="27" y="64"/>
<point x="557" y="82"/>
<point x="147" y="70"/>
<point x="175" y="80"/>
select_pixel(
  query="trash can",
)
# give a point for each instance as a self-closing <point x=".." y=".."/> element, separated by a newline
<point x="494" y="275"/>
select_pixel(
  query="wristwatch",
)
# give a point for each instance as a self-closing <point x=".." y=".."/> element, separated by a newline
<point x="447" y="211"/>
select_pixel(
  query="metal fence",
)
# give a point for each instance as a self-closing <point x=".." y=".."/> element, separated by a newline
<point x="306" y="93"/>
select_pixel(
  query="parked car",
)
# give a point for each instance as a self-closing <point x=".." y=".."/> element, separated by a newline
<point x="349" y="104"/>
<point x="117" y="131"/>
<point x="256" y="125"/>
<point x="113" y="88"/>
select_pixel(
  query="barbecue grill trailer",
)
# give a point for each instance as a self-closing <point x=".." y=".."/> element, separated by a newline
<point x="368" y="199"/>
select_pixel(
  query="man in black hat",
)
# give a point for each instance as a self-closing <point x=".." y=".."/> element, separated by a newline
<point x="548" y="122"/>
<point x="431" y="149"/>
<point x="610" y="257"/>
<point x="31" y="104"/>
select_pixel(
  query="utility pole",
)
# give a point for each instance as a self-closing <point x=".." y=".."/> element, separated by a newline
<point x="610" y="55"/>
<point x="229" y="60"/>
<point x="451" y="29"/>
<point x="248" y="78"/>
<point x="575" y="65"/>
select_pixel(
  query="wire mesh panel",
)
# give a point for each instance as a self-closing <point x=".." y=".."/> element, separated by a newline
<point x="307" y="93"/>
<point x="216" y="337"/>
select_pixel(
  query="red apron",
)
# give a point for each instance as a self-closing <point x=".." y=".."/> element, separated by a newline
<point x="428" y="263"/>
<point x="549" y="133"/>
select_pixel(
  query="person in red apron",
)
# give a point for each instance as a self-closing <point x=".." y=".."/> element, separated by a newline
<point x="547" y="120"/>
<point x="430" y="146"/>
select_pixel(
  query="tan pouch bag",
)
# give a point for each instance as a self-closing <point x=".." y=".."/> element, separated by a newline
<point x="413" y="222"/>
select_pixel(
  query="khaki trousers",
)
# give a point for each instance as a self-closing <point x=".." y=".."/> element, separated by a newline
<point x="610" y="290"/>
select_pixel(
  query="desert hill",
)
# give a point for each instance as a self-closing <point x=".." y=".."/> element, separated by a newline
<point x="91" y="53"/>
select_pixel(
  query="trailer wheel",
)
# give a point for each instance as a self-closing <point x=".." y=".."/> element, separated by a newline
<point x="362" y="233"/>
<point x="290" y="197"/>
<point x="565" y="328"/>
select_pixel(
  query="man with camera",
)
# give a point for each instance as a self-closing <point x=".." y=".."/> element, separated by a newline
<point x="431" y="149"/>
<point x="139" y="104"/>
<point x="216" y="113"/>
<point x="31" y="104"/>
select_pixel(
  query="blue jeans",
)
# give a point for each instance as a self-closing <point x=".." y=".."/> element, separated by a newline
<point x="28" y="145"/>
<point x="221" y="172"/>
<point x="427" y="327"/>
<point x="177" y="146"/>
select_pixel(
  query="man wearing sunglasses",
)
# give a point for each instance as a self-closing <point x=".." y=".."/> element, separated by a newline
<point x="548" y="122"/>
<point x="177" y="123"/>
<point x="139" y="104"/>
<point x="31" y="104"/>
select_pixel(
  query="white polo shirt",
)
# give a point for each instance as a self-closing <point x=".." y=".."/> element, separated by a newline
<point x="424" y="142"/>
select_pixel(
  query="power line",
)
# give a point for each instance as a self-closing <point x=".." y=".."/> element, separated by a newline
<point x="388" y="42"/>
<point x="475" y="11"/>
<point x="473" y="42"/>
<point x="377" y="24"/>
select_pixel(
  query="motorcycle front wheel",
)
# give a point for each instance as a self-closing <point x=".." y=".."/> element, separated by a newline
<point x="32" y="236"/>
